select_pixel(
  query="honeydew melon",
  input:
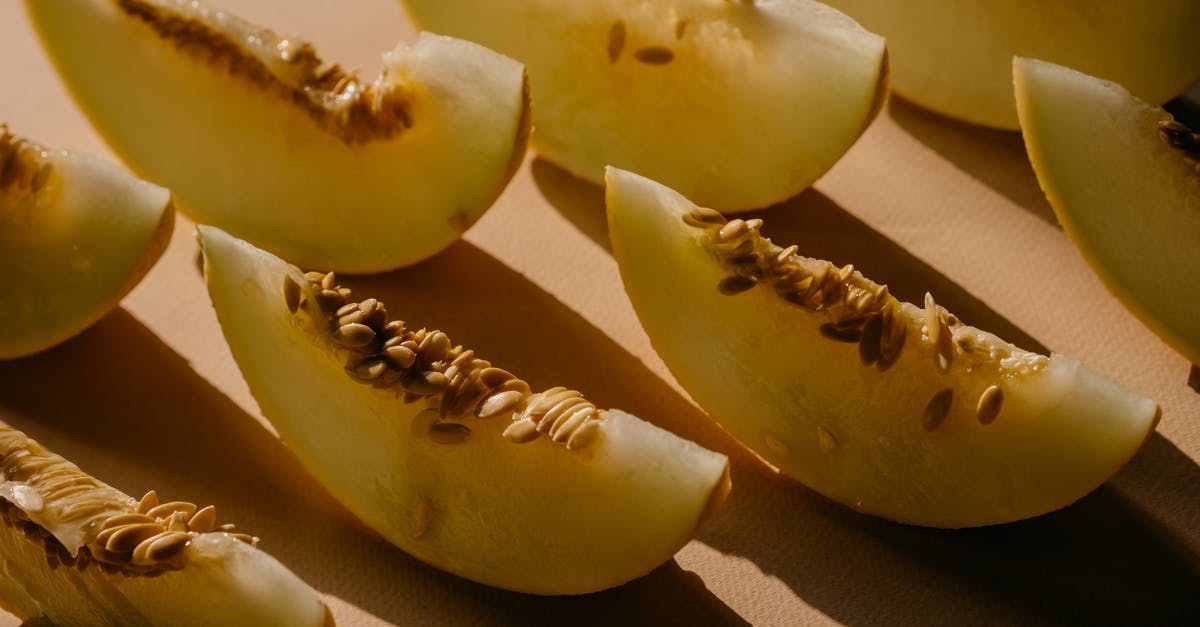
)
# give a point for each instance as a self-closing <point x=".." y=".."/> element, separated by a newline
<point x="76" y="235"/>
<point x="1128" y="198"/>
<point x="78" y="552"/>
<point x="739" y="105"/>
<point x="451" y="459"/>
<point x="252" y="131"/>
<point x="893" y="409"/>
<point x="956" y="57"/>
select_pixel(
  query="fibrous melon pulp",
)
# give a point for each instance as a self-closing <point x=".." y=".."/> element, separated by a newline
<point x="955" y="57"/>
<point x="252" y="131"/>
<point x="740" y="105"/>
<point x="78" y="552"/>
<point x="76" y="235"/>
<point x="1124" y="180"/>
<point x="454" y="460"/>
<point x="894" y="409"/>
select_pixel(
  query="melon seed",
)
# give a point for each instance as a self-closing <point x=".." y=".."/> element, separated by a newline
<point x="654" y="55"/>
<point x="291" y="293"/>
<point x="735" y="284"/>
<point x="937" y="409"/>
<point x="616" y="40"/>
<point x="989" y="405"/>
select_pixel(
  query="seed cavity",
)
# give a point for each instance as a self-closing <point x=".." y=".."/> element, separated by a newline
<point x="24" y="166"/>
<point x="989" y="404"/>
<point x="117" y="534"/>
<point x="616" y="40"/>
<point x="355" y="112"/>
<point x="776" y="445"/>
<point x="654" y="55"/>
<point x="841" y="334"/>
<point x="735" y="284"/>
<point x="1180" y="137"/>
<point x="937" y="409"/>
<point x="825" y="440"/>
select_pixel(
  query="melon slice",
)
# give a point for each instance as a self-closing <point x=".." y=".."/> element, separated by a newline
<point x="1124" y="180"/>
<point x="252" y="131"/>
<point x="451" y="459"/>
<point x="78" y="552"/>
<point x="76" y="234"/>
<point x="955" y="58"/>
<point x="740" y="105"/>
<point x="896" y="410"/>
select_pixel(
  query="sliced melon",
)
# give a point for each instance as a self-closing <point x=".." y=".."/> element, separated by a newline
<point x="252" y="131"/>
<point x="1124" y="180"/>
<point x="76" y="234"/>
<point x="451" y="459"/>
<point x="740" y="105"/>
<point x="955" y="57"/>
<point x="78" y="552"/>
<point x="893" y="409"/>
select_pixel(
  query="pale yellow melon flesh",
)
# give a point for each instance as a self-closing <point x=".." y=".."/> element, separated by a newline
<point x="544" y="516"/>
<point x="956" y="57"/>
<point x="253" y="132"/>
<point x="739" y="105"/>
<point x="56" y="527"/>
<point x="1129" y="201"/>
<point x="76" y="235"/>
<point x="857" y="419"/>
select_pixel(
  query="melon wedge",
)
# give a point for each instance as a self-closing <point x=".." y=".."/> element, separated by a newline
<point x="893" y="409"/>
<point x="76" y="234"/>
<point x="252" y="131"/>
<point x="78" y="552"/>
<point x="740" y="105"/>
<point x="956" y="57"/>
<point x="1124" y="180"/>
<point x="451" y="459"/>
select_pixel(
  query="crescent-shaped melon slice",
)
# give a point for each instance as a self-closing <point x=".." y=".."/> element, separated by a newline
<point x="254" y="132"/>
<point x="76" y="235"/>
<point x="454" y="460"/>
<point x="896" y="410"/>
<point x="1123" y="178"/>
<point x="78" y="552"/>
<point x="738" y="104"/>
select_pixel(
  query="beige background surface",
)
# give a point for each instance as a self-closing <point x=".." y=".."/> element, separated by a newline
<point x="150" y="397"/>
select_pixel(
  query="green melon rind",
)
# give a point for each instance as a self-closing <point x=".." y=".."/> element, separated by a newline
<point x="759" y="367"/>
<point x="532" y="517"/>
<point x="1128" y="202"/>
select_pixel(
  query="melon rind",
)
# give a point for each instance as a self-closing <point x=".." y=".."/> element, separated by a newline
<point x="242" y="152"/>
<point x="532" y="517"/>
<point x="74" y="248"/>
<point x="760" y="367"/>
<point x="1128" y="201"/>
<point x="955" y="57"/>
<point x="758" y="101"/>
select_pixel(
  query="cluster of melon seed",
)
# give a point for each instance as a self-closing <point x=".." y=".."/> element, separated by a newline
<point x="23" y="166"/>
<point x="117" y="536"/>
<point x="357" y="113"/>
<point x="423" y="366"/>
<point x="859" y="310"/>
<point x="1180" y="137"/>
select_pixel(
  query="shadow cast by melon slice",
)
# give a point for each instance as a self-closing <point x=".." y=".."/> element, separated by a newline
<point x="453" y="460"/>
<point x="254" y="132"/>
<point x="957" y="62"/>
<point x="1123" y="178"/>
<point x="79" y="552"/>
<point x="76" y="235"/>
<point x="890" y="408"/>
<point x="740" y="105"/>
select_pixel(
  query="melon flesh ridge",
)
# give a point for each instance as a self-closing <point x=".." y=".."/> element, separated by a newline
<point x="531" y="517"/>
<point x="760" y="367"/>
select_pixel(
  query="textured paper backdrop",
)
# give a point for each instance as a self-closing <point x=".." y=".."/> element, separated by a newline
<point x="150" y="397"/>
